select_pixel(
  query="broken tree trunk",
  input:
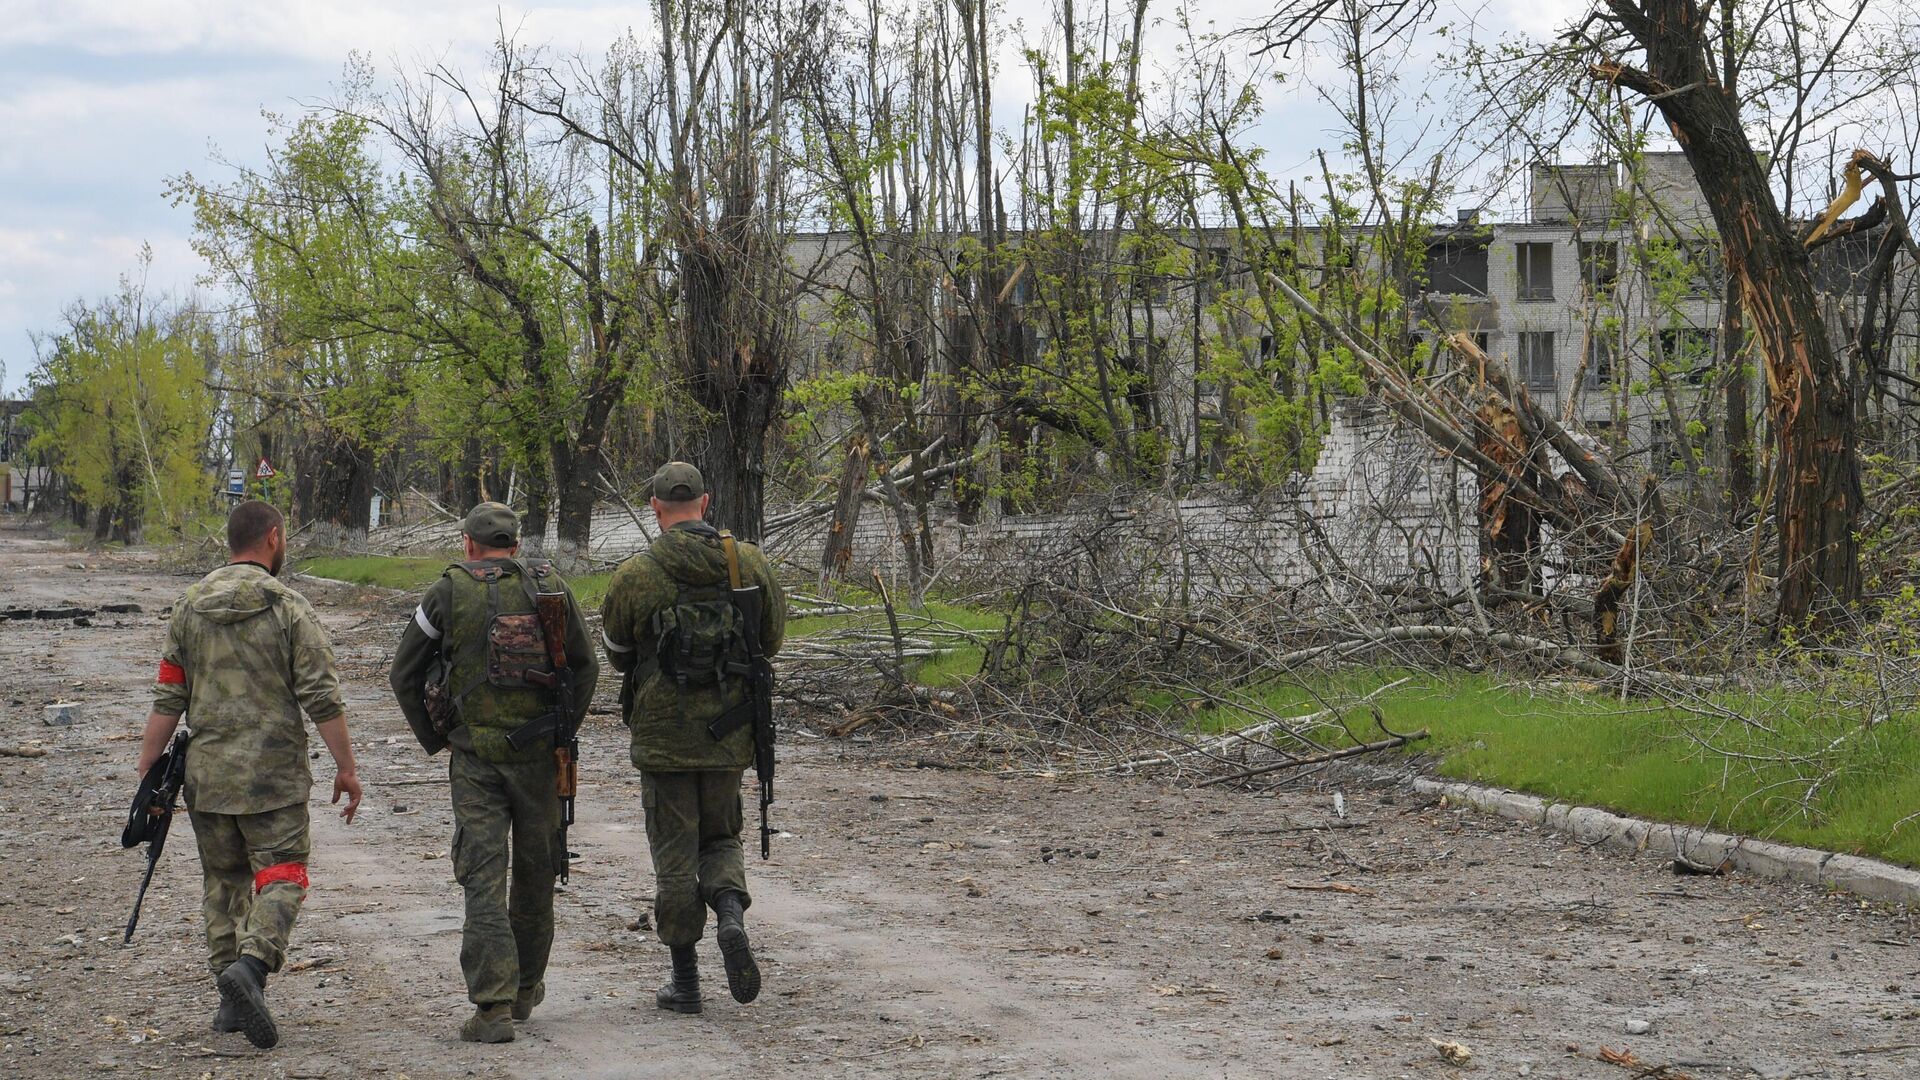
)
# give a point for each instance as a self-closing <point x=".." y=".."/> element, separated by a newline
<point x="1606" y="601"/>
<point x="1509" y="527"/>
<point x="838" y="552"/>
<point x="1819" y="498"/>
<point x="1584" y="462"/>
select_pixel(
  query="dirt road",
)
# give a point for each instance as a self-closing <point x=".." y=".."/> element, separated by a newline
<point x="914" y="922"/>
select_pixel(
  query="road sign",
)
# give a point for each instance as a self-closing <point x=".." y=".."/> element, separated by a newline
<point x="264" y="471"/>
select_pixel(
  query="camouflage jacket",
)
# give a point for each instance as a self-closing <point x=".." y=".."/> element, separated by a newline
<point x="669" y="725"/>
<point x="425" y="640"/>
<point x="245" y="656"/>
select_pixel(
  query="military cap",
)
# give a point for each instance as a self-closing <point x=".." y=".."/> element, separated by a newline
<point x="677" y="481"/>
<point x="493" y="524"/>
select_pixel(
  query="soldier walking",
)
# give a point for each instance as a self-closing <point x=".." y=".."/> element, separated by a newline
<point x="472" y="673"/>
<point x="670" y="624"/>
<point x="245" y="656"/>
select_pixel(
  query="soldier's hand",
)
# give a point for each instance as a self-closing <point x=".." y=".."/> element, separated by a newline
<point x="347" y="783"/>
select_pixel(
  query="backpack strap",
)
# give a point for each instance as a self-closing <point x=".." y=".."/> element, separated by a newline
<point x="532" y="573"/>
<point x="475" y="649"/>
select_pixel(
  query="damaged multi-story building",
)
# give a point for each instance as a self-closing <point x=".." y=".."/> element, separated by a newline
<point x="1605" y="299"/>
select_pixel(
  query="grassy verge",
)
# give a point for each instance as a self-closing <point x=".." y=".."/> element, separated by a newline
<point x="1580" y="745"/>
<point x="934" y="671"/>
<point x="1572" y="744"/>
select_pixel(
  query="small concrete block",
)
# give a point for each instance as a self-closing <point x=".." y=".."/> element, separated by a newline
<point x="1704" y="847"/>
<point x="1779" y="861"/>
<point x="1873" y="879"/>
<point x="1659" y="839"/>
<point x="1556" y="816"/>
<point x="1513" y="805"/>
<point x="1633" y="834"/>
<point x="1593" y="826"/>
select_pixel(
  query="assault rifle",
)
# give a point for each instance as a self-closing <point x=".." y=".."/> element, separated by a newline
<point x="749" y="603"/>
<point x="152" y="814"/>
<point x="552" y="609"/>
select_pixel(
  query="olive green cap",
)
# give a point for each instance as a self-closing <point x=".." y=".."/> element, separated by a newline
<point x="677" y="481"/>
<point x="492" y="524"/>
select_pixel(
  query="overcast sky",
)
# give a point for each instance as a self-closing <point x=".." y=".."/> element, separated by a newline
<point x="102" y="100"/>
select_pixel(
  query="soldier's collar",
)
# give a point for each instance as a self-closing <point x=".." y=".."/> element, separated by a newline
<point x="250" y="562"/>
<point x="696" y="526"/>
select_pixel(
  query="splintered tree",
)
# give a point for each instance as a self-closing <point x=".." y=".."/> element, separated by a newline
<point x="1817" y="467"/>
<point x="724" y="78"/>
<point x="730" y="72"/>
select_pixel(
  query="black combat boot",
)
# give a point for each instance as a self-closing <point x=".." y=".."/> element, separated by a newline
<point x="227" y="1018"/>
<point x="743" y="975"/>
<point x="244" y="987"/>
<point x="682" y="992"/>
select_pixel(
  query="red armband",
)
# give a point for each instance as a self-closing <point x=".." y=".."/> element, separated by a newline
<point x="171" y="674"/>
<point x="295" y="872"/>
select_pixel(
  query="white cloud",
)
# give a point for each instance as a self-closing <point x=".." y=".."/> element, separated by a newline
<point x="48" y="265"/>
<point x="103" y="100"/>
<point x="315" y="30"/>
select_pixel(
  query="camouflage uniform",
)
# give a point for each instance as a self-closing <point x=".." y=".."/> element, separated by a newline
<point x="690" y="781"/>
<point x="506" y="811"/>
<point x="245" y="656"/>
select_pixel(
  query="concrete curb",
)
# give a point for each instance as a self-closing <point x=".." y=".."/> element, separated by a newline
<point x="347" y="584"/>
<point x="1867" y="878"/>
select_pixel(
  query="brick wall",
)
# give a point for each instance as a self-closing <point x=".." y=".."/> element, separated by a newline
<point x="1381" y="506"/>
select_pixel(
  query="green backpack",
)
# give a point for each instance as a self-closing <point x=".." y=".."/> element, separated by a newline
<point x="701" y="640"/>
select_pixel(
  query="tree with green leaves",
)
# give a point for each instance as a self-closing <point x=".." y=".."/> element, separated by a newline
<point x="120" y="409"/>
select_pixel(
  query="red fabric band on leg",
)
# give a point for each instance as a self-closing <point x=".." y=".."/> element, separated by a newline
<point x="295" y="872"/>
<point x="171" y="673"/>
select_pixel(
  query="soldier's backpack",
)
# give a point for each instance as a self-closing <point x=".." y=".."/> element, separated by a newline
<point x="701" y="640"/>
<point x="512" y="646"/>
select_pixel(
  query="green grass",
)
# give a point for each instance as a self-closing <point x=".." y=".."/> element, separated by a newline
<point x="934" y="672"/>
<point x="1578" y="745"/>
<point x="387" y="573"/>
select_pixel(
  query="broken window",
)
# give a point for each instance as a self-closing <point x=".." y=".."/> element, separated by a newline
<point x="1660" y="453"/>
<point x="1534" y="266"/>
<point x="1599" y="265"/>
<point x="1536" y="359"/>
<point x="1704" y="270"/>
<point x="1601" y="353"/>
<point x="1457" y="268"/>
<point x="1687" y="352"/>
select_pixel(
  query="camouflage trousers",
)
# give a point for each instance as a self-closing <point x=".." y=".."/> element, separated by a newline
<point x="506" y="852"/>
<point x="693" y="830"/>
<point x="254" y="876"/>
